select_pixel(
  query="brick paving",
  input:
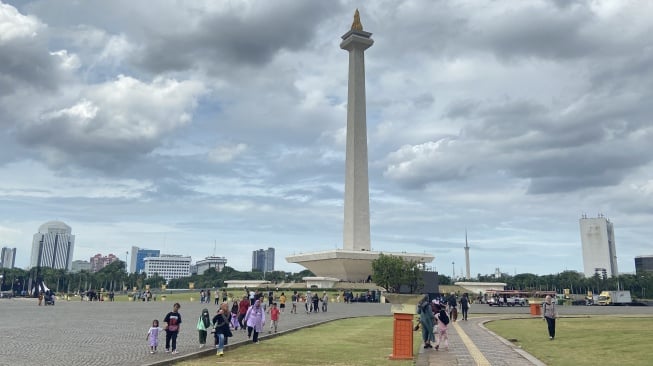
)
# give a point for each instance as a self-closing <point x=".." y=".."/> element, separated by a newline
<point x="103" y="333"/>
<point x="113" y="333"/>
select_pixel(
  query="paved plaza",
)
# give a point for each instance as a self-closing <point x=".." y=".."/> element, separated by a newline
<point x="104" y="333"/>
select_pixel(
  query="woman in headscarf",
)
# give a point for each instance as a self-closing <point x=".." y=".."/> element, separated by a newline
<point x="221" y="325"/>
<point x="255" y="320"/>
<point x="550" y="313"/>
<point x="203" y="323"/>
<point x="426" y="321"/>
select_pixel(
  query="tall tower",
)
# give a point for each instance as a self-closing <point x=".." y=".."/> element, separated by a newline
<point x="53" y="246"/>
<point x="467" y="256"/>
<point x="599" y="252"/>
<point x="356" y="228"/>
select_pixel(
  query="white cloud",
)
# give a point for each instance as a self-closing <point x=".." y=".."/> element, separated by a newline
<point x="226" y="153"/>
<point x="15" y="26"/>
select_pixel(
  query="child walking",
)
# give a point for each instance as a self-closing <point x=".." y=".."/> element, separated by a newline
<point x="274" y="316"/>
<point x="203" y="324"/>
<point x="443" y="321"/>
<point x="153" y="335"/>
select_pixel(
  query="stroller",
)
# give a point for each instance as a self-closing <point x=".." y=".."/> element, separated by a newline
<point x="49" y="298"/>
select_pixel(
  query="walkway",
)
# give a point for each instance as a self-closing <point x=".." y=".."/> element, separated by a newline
<point x="470" y="343"/>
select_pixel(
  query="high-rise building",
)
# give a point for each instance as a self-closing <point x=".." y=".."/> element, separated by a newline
<point x="137" y="264"/>
<point x="599" y="253"/>
<point x="263" y="260"/>
<point x="53" y="246"/>
<point x="643" y="264"/>
<point x="210" y="262"/>
<point x="168" y="266"/>
<point x="8" y="257"/>
<point x="99" y="261"/>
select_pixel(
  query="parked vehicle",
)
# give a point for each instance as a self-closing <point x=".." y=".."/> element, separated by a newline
<point x="615" y="298"/>
<point x="517" y="301"/>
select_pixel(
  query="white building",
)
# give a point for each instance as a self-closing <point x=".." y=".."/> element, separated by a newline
<point x="168" y="266"/>
<point x="211" y="262"/>
<point x="53" y="246"/>
<point x="8" y="257"/>
<point x="599" y="253"/>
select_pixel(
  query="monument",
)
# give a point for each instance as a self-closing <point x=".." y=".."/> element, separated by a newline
<point x="354" y="261"/>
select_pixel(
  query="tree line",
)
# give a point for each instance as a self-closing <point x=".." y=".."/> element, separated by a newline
<point x="392" y="272"/>
<point x="114" y="277"/>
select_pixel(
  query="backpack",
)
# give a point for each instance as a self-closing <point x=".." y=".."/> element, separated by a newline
<point x="443" y="317"/>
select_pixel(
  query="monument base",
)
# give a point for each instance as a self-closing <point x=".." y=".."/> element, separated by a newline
<point x="348" y="265"/>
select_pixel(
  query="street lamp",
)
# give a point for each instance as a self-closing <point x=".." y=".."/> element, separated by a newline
<point x="453" y="271"/>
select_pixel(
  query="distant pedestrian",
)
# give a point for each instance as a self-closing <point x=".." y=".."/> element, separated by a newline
<point x="307" y="300"/>
<point x="173" y="321"/>
<point x="464" y="305"/>
<point x="208" y="296"/>
<point x="316" y="302"/>
<point x="255" y="320"/>
<point x="274" y="317"/>
<point x="325" y="301"/>
<point x="282" y="302"/>
<point x="203" y="324"/>
<point x="224" y="295"/>
<point x="270" y="297"/>
<point x="426" y="322"/>
<point x="294" y="299"/>
<point x="550" y="313"/>
<point x="453" y="311"/>
<point x="153" y="335"/>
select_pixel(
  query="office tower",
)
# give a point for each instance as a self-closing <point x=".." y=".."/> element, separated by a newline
<point x="53" y="246"/>
<point x="210" y="262"/>
<point x="599" y="253"/>
<point x="263" y="260"/>
<point x="8" y="257"/>
<point x="643" y="264"/>
<point x="138" y="256"/>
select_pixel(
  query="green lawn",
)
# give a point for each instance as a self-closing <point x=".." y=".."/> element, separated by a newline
<point x="360" y="341"/>
<point x="596" y="340"/>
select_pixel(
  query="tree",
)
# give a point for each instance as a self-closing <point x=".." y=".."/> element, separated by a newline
<point x="390" y="272"/>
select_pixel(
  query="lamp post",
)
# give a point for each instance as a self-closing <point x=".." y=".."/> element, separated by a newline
<point x="453" y="271"/>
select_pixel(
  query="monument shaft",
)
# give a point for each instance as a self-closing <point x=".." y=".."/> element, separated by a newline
<point x="356" y="227"/>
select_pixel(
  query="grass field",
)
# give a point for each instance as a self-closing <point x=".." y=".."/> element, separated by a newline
<point x="596" y="340"/>
<point x="361" y="341"/>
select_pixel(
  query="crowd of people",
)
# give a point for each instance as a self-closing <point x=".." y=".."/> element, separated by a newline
<point x="436" y="314"/>
<point x="248" y="313"/>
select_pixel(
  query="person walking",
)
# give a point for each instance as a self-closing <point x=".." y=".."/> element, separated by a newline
<point x="255" y="320"/>
<point x="550" y="313"/>
<point x="453" y="307"/>
<point x="173" y="321"/>
<point x="274" y="317"/>
<point x="294" y="299"/>
<point x="243" y="306"/>
<point x="443" y="321"/>
<point x="426" y="321"/>
<point x="153" y="335"/>
<point x="221" y="326"/>
<point x="203" y="324"/>
<point x="464" y="305"/>
<point x="282" y="302"/>
<point x="325" y="301"/>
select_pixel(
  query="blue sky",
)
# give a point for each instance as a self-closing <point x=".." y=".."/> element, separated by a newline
<point x="184" y="126"/>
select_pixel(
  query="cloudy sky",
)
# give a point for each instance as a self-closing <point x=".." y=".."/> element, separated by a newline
<point x="189" y="126"/>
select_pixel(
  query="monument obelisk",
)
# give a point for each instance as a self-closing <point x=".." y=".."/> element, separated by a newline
<point x="354" y="261"/>
<point x="356" y="227"/>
